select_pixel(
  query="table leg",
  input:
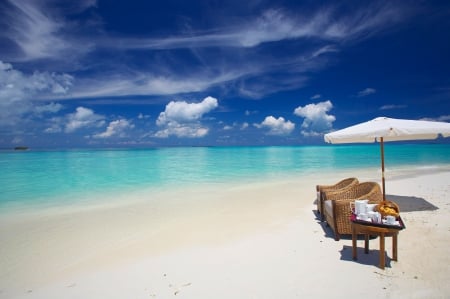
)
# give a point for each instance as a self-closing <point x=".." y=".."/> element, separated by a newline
<point x="366" y="243"/>
<point x="394" y="247"/>
<point x="354" y="254"/>
<point x="382" y="251"/>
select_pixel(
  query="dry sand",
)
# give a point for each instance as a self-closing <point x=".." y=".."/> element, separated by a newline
<point x="243" y="241"/>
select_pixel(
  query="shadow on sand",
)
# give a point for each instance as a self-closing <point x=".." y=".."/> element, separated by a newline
<point x="405" y="203"/>
<point x="411" y="203"/>
<point x="371" y="259"/>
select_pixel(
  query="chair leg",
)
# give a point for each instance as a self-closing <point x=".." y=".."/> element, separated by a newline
<point x="337" y="236"/>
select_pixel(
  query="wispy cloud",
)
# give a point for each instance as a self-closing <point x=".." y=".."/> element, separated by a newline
<point x="41" y="32"/>
<point x="117" y="85"/>
<point x="276" y="25"/>
<point x="366" y="92"/>
<point x="326" y="26"/>
<point x="391" y="107"/>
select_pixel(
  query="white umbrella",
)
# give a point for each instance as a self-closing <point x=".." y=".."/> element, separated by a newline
<point x="383" y="129"/>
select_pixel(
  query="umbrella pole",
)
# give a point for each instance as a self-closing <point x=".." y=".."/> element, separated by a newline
<point x="382" y="168"/>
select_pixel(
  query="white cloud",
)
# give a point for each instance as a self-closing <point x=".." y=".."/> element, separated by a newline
<point x="182" y="130"/>
<point x="277" y="126"/>
<point x="325" y="25"/>
<point x="143" y="116"/>
<point x="55" y="125"/>
<point x="186" y="112"/>
<point x="390" y="107"/>
<point x="291" y="78"/>
<point x="182" y="119"/>
<point x="18" y="90"/>
<point x="236" y="125"/>
<point x="116" y="128"/>
<point x="33" y="31"/>
<point x="324" y="50"/>
<point x="83" y="118"/>
<point x="275" y="25"/>
<point x="317" y="120"/>
<point x="316" y="96"/>
<point x="443" y="118"/>
<point x="124" y="83"/>
<point x="40" y="30"/>
<point x="366" y="92"/>
<point x="49" y="108"/>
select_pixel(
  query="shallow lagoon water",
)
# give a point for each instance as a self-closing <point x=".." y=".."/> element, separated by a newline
<point x="71" y="176"/>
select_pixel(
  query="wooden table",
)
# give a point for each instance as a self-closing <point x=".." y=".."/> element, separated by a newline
<point x="358" y="228"/>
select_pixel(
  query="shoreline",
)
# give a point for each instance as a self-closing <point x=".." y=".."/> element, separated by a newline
<point x="116" y="199"/>
<point x="216" y="242"/>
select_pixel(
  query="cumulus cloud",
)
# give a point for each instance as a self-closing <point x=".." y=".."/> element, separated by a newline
<point x="116" y="128"/>
<point x="83" y="118"/>
<point x="366" y="92"/>
<point x="317" y="120"/>
<point x="277" y="126"/>
<point x="18" y="90"/>
<point x="182" y="119"/>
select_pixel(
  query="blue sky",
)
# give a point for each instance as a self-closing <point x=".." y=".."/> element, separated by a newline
<point x="155" y="73"/>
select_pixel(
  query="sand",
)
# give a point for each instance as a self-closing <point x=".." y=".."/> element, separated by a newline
<point x="251" y="240"/>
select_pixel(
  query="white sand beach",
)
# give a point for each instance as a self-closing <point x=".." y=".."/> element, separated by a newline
<point x="237" y="241"/>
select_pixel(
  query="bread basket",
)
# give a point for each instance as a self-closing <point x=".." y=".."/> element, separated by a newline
<point x="388" y="208"/>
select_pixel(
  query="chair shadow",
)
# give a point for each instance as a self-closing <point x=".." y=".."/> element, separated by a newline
<point x="328" y="232"/>
<point x="411" y="203"/>
<point x="370" y="259"/>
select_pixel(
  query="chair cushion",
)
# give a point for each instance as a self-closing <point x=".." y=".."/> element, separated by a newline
<point x="328" y="207"/>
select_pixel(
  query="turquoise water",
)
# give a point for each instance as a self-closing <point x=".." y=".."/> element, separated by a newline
<point x="34" y="177"/>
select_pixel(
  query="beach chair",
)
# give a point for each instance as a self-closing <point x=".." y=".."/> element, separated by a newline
<point x="336" y="205"/>
<point x="341" y="185"/>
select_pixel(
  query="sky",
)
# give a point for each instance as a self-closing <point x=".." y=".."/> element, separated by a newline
<point x="140" y="73"/>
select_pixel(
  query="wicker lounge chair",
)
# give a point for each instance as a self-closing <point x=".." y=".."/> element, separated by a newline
<point x="341" y="185"/>
<point x="336" y="206"/>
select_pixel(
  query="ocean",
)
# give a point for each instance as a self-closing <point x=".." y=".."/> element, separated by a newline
<point x="59" y="177"/>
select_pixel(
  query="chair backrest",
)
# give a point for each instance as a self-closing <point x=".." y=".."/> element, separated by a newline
<point x="339" y="185"/>
<point x="365" y="190"/>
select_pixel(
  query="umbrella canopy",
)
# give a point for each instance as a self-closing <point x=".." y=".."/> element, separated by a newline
<point x="389" y="129"/>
